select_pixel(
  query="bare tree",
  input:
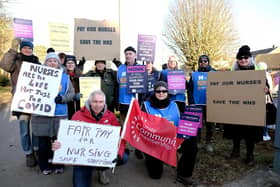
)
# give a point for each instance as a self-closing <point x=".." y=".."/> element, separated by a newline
<point x="196" y="27"/>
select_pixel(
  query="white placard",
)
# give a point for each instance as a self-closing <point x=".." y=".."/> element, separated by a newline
<point x="87" y="144"/>
<point x="36" y="89"/>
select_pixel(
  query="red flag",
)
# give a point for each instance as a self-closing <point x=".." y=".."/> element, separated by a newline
<point x="151" y="134"/>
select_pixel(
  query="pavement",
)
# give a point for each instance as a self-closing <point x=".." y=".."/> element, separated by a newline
<point x="14" y="173"/>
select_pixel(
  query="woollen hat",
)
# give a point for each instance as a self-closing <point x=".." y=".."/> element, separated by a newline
<point x="100" y="61"/>
<point x="204" y="57"/>
<point x="244" y="51"/>
<point x="26" y="43"/>
<point x="70" y="58"/>
<point x="130" y="48"/>
<point x="52" y="55"/>
<point x="161" y="84"/>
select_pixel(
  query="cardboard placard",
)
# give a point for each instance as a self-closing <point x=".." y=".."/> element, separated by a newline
<point x="97" y="39"/>
<point x="236" y="97"/>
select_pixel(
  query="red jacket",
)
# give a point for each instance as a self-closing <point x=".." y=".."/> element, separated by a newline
<point x="108" y="118"/>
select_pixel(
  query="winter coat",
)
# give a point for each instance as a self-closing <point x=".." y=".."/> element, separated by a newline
<point x="108" y="85"/>
<point x="48" y="126"/>
<point x="108" y="118"/>
<point x="12" y="61"/>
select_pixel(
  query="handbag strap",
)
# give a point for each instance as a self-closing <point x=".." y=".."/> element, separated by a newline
<point x="270" y="96"/>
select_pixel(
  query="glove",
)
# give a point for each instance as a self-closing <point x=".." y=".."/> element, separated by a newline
<point x="77" y="96"/>
<point x="15" y="44"/>
<point x="58" y="99"/>
<point x="117" y="62"/>
<point x="82" y="61"/>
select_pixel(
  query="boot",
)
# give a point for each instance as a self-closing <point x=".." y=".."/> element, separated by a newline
<point x="30" y="160"/>
<point x="186" y="180"/>
<point x="250" y="161"/>
<point x="234" y="154"/>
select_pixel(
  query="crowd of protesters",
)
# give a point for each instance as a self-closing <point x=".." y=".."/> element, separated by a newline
<point x="114" y="96"/>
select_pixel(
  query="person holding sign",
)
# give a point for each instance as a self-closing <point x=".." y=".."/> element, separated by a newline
<point x="94" y="111"/>
<point x="196" y="88"/>
<point x="160" y="105"/>
<point x="251" y="134"/>
<point x="124" y="96"/>
<point x="46" y="127"/>
<point x="74" y="74"/>
<point x="172" y="73"/>
<point x="11" y="62"/>
<point x="108" y="82"/>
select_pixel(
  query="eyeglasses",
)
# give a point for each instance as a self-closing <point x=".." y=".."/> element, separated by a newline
<point x="245" y="57"/>
<point x="203" y="61"/>
<point x="162" y="91"/>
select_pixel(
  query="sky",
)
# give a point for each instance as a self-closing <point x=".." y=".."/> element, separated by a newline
<point x="257" y="21"/>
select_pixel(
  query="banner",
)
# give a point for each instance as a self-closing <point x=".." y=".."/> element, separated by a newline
<point x="97" y="39"/>
<point x="146" y="47"/>
<point x="176" y="82"/>
<point x="36" y="89"/>
<point x="59" y="36"/>
<point x="87" y="144"/>
<point x="236" y="97"/>
<point x="150" y="134"/>
<point x="136" y="79"/>
<point x="88" y="85"/>
<point x="23" y="29"/>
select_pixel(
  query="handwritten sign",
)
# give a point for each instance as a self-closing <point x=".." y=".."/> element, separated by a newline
<point x="176" y="82"/>
<point x="87" y="144"/>
<point x="88" y="85"/>
<point x="36" y="89"/>
<point x="136" y="79"/>
<point x="102" y="37"/>
<point x="236" y="97"/>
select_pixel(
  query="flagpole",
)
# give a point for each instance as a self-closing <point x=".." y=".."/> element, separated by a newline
<point x="126" y="118"/>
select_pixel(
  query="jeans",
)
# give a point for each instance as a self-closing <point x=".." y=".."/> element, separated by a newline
<point x="27" y="142"/>
<point x="82" y="176"/>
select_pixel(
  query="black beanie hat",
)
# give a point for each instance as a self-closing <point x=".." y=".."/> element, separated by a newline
<point x="129" y="49"/>
<point x="70" y="58"/>
<point x="102" y="61"/>
<point x="204" y="57"/>
<point x="244" y="51"/>
<point x="160" y="84"/>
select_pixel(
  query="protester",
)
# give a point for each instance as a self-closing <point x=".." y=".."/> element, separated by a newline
<point x="74" y="74"/>
<point x="153" y="78"/>
<point x="251" y="134"/>
<point x="160" y="105"/>
<point x="94" y="111"/>
<point x="108" y="82"/>
<point x="179" y="98"/>
<point x="11" y="62"/>
<point x="124" y="96"/>
<point x="197" y="95"/>
<point x="62" y="57"/>
<point x="46" y="127"/>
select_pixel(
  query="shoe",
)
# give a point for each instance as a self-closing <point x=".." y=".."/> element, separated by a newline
<point x="59" y="170"/>
<point x="46" y="171"/>
<point x="103" y="177"/>
<point x="139" y="155"/>
<point x="186" y="180"/>
<point x="233" y="155"/>
<point x="30" y="160"/>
